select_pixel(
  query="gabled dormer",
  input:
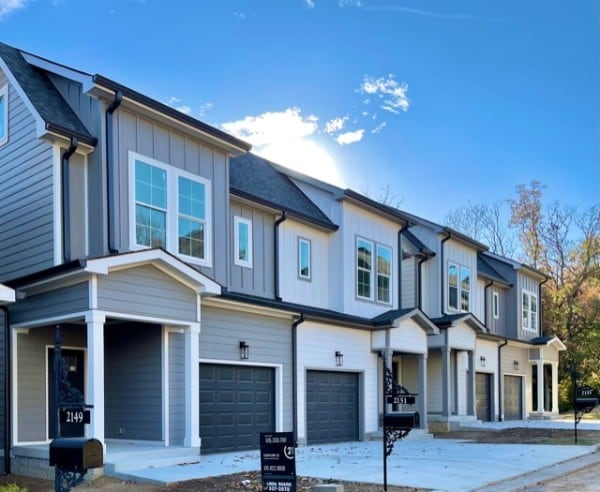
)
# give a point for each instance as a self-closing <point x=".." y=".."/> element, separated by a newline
<point x="496" y="291"/>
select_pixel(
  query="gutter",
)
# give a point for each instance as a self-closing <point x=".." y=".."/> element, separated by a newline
<point x="276" y="253"/>
<point x="7" y="390"/>
<point x="442" y="297"/>
<point x="419" y="278"/>
<point x="110" y="170"/>
<point x="66" y="210"/>
<point x="500" y="394"/>
<point x="295" y="324"/>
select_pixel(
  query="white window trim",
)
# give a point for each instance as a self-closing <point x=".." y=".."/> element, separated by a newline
<point x="460" y="269"/>
<point x="236" y="242"/>
<point x="4" y="115"/>
<point x="356" y="268"/>
<point x="530" y="295"/>
<point x="496" y="305"/>
<point x="390" y="276"/>
<point x="172" y="210"/>
<point x="302" y="240"/>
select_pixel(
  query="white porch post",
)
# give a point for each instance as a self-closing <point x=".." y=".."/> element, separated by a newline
<point x="446" y="381"/>
<point x="422" y="390"/>
<point x="555" y="388"/>
<point x="540" y="387"/>
<point x="192" y="380"/>
<point x="471" y="383"/>
<point x="95" y="374"/>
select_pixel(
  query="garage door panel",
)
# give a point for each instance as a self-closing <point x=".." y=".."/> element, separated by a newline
<point x="483" y="396"/>
<point x="513" y="398"/>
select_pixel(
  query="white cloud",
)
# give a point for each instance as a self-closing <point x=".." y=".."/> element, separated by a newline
<point x="335" y="125"/>
<point x="174" y="102"/>
<point x="8" y="6"/>
<point x="392" y="94"/>
<point x="241" y="15"/>
<point x="310" y="4"/>
<point x="350" y="137"/>
<point x="204" y="107"/>
<point x="379" y="127"/>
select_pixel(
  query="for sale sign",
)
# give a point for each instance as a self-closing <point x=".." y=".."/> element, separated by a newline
<point x="278" y="461"/>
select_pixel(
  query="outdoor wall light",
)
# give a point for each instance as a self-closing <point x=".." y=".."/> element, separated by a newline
<point x="516" y="363"/>
<point x="339" y="358"/>
<point x="244" y="350"/>
<point x="482" y="360"/>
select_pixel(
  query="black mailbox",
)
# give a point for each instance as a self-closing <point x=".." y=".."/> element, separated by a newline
<point x="401" y="420"/>
<point x="76" y="453"/>
<point x="585" y="405"/>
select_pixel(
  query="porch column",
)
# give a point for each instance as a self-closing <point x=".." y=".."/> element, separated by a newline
<point x="446" y="381"/>
<point x="192" y="381"/>
<point x="555" y="388"/>
<point x="422" y="390"/>
<point x="95" y="374"/>
<point x="540" y="387"/>
<point x="471" y="383"/>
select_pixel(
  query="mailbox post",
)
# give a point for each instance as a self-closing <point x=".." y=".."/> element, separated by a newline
<point x="585" y="398"/>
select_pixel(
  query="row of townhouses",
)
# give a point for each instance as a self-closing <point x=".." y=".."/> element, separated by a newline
<point x="205" y="294"/>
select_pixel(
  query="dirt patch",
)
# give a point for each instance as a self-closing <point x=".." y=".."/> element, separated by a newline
<point x="525" y="435"/>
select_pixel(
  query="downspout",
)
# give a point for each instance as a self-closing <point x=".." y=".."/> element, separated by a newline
<point x="276" y="253"/>
<point x="110" y="192"/>
<point x="485" y="302"/>
<point x="500" y="395"/>
<point x="419" y="278"/>
<point x="66" y="211"/>
<point x="443" y="290"/>
<point x="541" y="304"/>
<point x="295" y="324"/>
<point x="7" y="390"/>
<point x="400" y="258"/>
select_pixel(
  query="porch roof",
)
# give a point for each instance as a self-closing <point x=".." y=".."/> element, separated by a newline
<point x="6" y="294"/>
<point x="450" y="320"/>
<point x="549" y="340"/>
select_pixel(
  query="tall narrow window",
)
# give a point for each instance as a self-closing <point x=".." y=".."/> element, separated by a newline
<point x="525" y="311"/>
<point x="459" y="288"/>
<point x="304" y="270"/>
<point x="453" y="286"/>
<point x="496" y="305"/>
<point x="533" y="311"/>
<point x="243" y="242"/>
<point x="150" y="205"/>
<point x="465" y="288"/>
<point x="191" y="218"/>
<point x="384" y="273"/>
<point x="364" y="268"/>
<point x="3" y="114"/>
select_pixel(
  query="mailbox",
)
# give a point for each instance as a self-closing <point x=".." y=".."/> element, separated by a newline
<point x="401" y="420"/>
<point x="76" y="453"/>
<point x="585" y="404"/>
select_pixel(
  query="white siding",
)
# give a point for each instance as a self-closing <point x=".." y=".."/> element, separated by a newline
<point x="463" y="256"/>
<point x="489" y="350"/>
<point x="478" y="303"/>
<point x="407" y="337"/>
<point x="461" y="337"/>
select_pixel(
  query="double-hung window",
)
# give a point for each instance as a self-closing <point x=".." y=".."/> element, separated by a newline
<point x="496" y="305"/>
<point x="459" y="287"/>
<point x="529" y="312"/>
<point x="384" y="273"/>
<point x="373" y="271"/>
<point x="304" y="269"/>
<point x="242" y="242"/>
<point x="364" y="269"/>
<point x="3" y="114"/>
<point x="170" y="209"/>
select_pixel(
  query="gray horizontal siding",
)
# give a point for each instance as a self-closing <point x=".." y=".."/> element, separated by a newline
<point x="146" y="291"/>
<point x="2" y="384"/>
<point x="176" y="388"/>
<point x="26" y="195"/>
<point x="71" y="299"/>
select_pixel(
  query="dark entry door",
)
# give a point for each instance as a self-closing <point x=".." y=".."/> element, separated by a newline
<point x="482" y="395"/>
<point x="76" y="377"/>
<point x="513" y="398"/>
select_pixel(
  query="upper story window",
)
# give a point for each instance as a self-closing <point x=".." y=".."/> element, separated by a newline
<point x="242" y="242"/>
<point x="170" y="209"/>
<point x="459" y="287"/>
<point x="3" y="114"/>
<point x="304" y="260"/>
<point x="529" y="312"/>
<point x="496" y="305"/>
<point x="367" y="271"/>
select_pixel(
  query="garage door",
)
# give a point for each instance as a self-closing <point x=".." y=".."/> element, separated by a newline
<point x="331" y="406"/>
<point x="482" y="396"/>
<point x="513" y="398"/>
<point x="237" y="403"/>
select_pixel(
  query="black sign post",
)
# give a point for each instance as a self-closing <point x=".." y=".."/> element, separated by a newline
<point x="278" y="461"/>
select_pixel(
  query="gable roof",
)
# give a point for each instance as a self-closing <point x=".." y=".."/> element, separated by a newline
<point x="418" y="244"/>
<point x="485" y="269"/>
<point x="450" y="320"/>
<point x="254" y="178"/>
<point x="45" y="100"/>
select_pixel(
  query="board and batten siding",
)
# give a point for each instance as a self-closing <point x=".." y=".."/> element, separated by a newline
<point x="317" y="344"/>
<point x="53" y="304"/>
<point x="151" y="139"/>
<point x="133" y="381"/>
<point x="147" y="291"/>
<point x="270" y="341"/>
<point x="313" y="292"/>
<point x="26" y="195"/>
<point x="531" y="285"/>
<point x="430" y="271"/>
<point x="498" y="326"/>
<point x="3" y="376"/>
<point x="409" y="283"/>
<point x="31" y="352"/>
<point x="258" y="280"/>
<point x="461" y="255"/>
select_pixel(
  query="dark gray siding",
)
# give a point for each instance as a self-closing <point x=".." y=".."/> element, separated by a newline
<point x="146" y="291"/>
<point x="26" y="199"/>
<point x="176" y="388"/>
<point x="133" y="381"/>
<point x="498" y="326"/>
<point x="259" y="279"/>
<point x="71" y="299"/>
<point x="409" y="283"/>
<point x="77" y="199"/>
<point x="270" y="341"/>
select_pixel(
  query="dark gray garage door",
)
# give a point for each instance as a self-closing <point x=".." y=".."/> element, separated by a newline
<point x="331" y="406"/>
<point x="513" y="398"/>
<point x="236" y="404"/>
<point x="482" y="396"/>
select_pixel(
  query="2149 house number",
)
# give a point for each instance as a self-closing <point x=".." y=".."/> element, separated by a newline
<point x="74" y="416"/>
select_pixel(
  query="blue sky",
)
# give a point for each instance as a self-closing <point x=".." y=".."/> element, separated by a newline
<point x="446" y="102"/>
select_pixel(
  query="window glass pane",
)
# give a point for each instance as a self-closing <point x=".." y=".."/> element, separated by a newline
<point x="496" y="305"/>
<point x="191" y="217"/>
<point x="384" y="269"/>
<point x="453" y="286"/>
<point x="533" y="310"/>
<point x="364" y="255"/>
<point x="191" y="238"/>
<point x="364" y="284"/>
<point x="243" y="253"/>
<point x="465" y="288"/>
<point x="364" y="264"/>
<point x="525" y="310"/>
<point x="383" y="289"/>
<point x="304" y="258"/>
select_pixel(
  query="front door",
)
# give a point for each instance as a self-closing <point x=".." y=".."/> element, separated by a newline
<point x="75" y="376"/>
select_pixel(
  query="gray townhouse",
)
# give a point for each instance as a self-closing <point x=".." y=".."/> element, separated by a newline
<point x="205" y="294"/>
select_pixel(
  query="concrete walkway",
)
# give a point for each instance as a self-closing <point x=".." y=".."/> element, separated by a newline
<point x="438" y="464"/>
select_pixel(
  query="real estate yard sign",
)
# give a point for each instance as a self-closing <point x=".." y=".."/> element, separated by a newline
<point x="278" y="461"/>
